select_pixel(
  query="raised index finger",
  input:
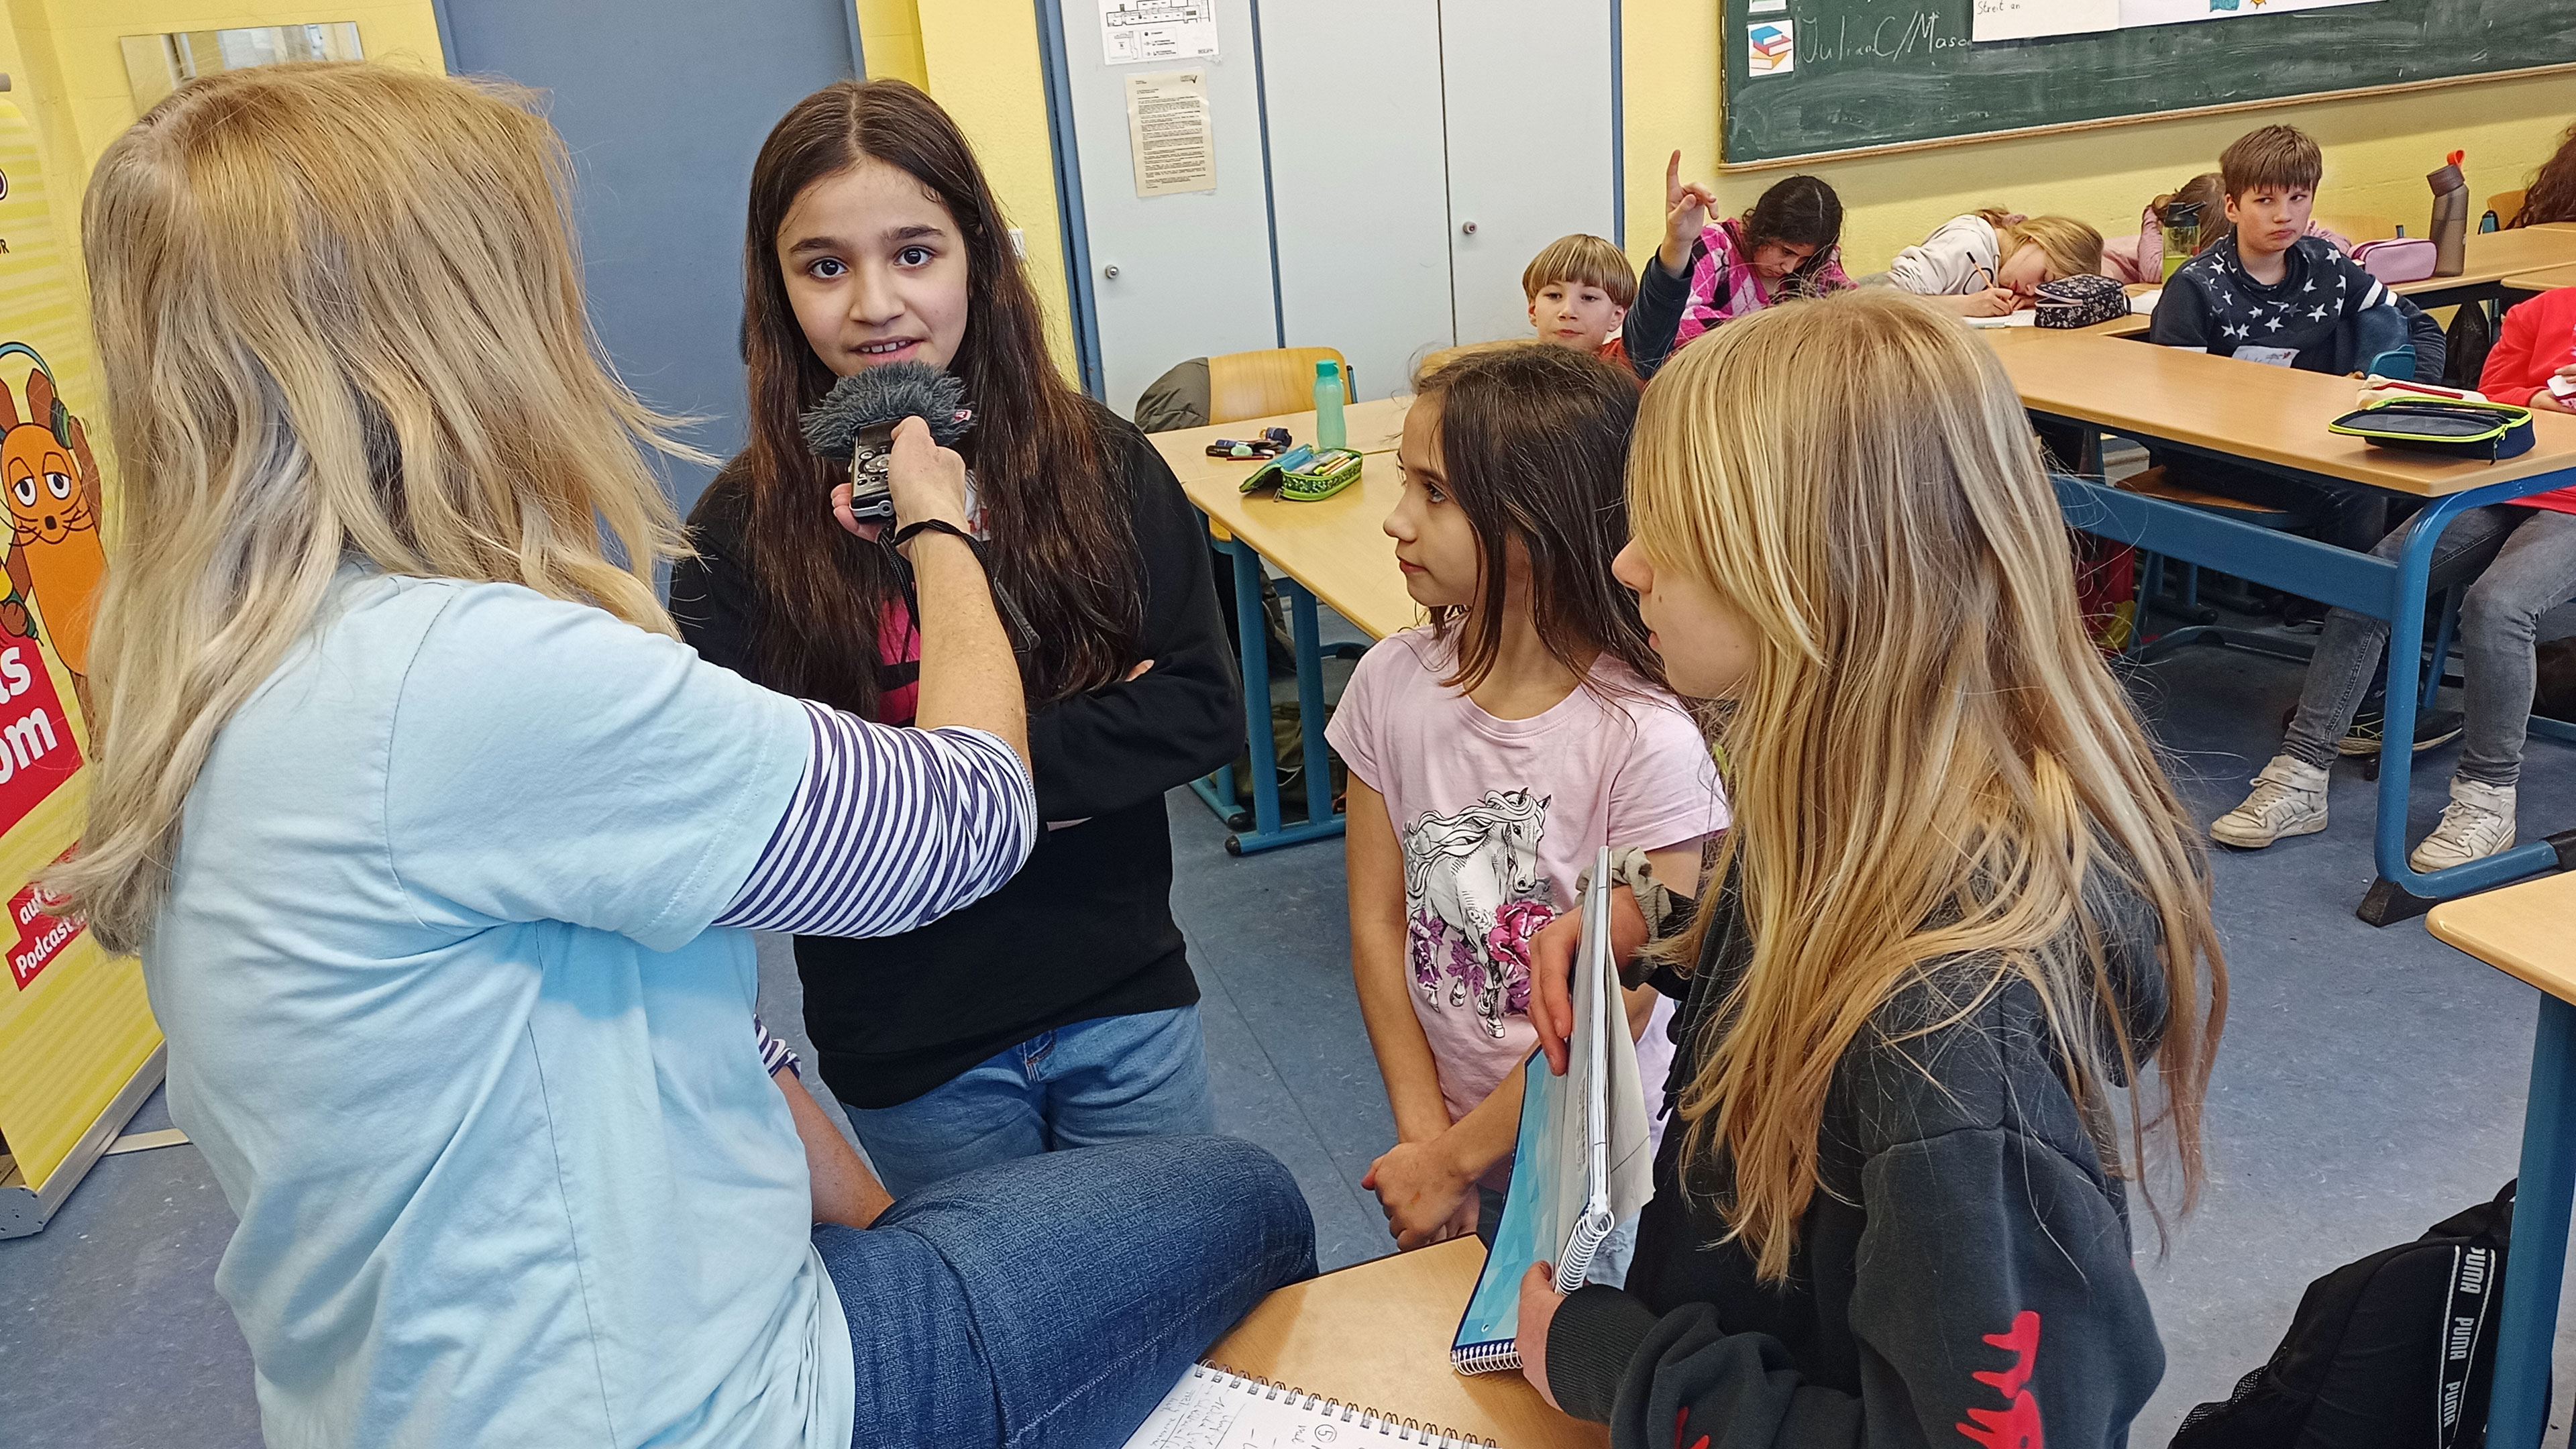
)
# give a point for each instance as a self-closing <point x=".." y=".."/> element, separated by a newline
<point x="1673" y="180"/>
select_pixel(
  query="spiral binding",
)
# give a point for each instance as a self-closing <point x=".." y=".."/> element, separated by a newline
<point x="1360" y="1417"/>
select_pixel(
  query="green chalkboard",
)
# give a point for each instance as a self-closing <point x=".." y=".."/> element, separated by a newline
<point x="1886" y="72"/>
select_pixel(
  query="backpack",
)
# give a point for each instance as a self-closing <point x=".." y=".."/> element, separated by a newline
<point x="2466" y="345"/>
<point x="2395" y="1351"/>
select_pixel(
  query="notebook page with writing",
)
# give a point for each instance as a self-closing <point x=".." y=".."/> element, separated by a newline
<point x="1582" y="1164"/>
<point x="1211" y="1408"/>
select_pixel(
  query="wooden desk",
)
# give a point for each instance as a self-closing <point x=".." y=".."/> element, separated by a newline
<point x="2543" y="279"/>
<point x="2529" y="932"/>
<point x="2490" y="259"/>
<point x="1332" y="549"/>
<point x="2271" y="415"/>
<point x="1378" y="1335"/>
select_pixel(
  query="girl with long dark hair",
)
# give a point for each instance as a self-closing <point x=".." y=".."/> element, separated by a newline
<point x="1060" y="1012"/>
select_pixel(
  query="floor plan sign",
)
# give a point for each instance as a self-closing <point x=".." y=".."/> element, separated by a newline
<point x="2173" y="12"/>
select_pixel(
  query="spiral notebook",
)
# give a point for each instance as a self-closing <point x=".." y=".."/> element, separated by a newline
<point x="1215" y="1408"/>
<point x="1582" y="1165"/>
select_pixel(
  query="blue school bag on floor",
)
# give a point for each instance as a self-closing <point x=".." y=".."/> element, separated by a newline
<point x="2396" y="1351"/>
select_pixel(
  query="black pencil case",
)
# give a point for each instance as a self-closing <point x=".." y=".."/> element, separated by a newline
<point x="2488" y="430"/>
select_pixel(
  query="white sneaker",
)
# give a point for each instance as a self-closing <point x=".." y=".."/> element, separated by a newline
<point x="2476" y="824"/>
<point x="2289" y="799"/>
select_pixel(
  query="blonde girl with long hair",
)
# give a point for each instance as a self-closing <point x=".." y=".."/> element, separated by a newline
<point x="1990" y="263"/>
<point x="439" y="849"/>
<point x="1958" y="970"/>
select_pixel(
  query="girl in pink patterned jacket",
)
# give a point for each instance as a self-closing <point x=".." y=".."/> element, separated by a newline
<point x="1788" y="245"/>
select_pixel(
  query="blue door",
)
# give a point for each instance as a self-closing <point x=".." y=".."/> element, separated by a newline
<point x="663" y="105"/>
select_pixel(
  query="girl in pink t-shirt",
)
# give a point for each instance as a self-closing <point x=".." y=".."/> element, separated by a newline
<point x="1492" y="752"/>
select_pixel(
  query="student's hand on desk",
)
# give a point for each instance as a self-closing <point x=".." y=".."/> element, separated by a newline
<point x="1992" y="302"/>
<point x="1551" y="1007"/>
<point x="1427" y="1198"/>
<point x="1538" y="1311"/>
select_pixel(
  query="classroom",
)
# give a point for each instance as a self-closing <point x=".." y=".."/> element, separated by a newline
<point x="1123" y="724"/>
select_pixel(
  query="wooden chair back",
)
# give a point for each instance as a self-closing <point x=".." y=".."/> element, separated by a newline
<point x="1264" y="384"/>
<point x="2359" y="226"/>
<point x="2506" y="205"/>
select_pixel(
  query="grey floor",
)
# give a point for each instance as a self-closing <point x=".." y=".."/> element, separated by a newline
<point x="2370" y="1083"/>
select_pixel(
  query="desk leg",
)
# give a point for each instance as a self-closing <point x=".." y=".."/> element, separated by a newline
<point x="1253" y="633"/>
<point x="2402" y="893"/>
<point x="2518" y="1412"/>
<point x="1307" y="636"/>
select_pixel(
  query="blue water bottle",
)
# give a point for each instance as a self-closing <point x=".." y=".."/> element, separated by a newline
<point x="1329" y="432"/>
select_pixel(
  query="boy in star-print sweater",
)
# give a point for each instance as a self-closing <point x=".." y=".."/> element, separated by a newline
<point x="2272" y="294"/>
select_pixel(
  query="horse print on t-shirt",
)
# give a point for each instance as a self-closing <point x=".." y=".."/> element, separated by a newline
<point x="1474" y="897"/>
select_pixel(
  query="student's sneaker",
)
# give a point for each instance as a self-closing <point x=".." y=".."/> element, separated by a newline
<point x="2433" y="727"/>
<point x="2289" y="799"/>
<point x="2476" y="824"/>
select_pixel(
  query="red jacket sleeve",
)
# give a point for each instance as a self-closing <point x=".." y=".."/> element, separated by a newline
<point x="2531" y="346"/>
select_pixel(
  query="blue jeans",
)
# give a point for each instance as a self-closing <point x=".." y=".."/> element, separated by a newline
<point x="1055" y="1300"/>
<point x="1105" y="1080"/>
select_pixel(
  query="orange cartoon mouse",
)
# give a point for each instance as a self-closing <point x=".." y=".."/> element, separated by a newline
<point x="50" y="484"/>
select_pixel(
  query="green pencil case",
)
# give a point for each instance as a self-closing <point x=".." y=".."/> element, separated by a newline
<point x="1303" y="475"/>
<point x="2454" y="429"/>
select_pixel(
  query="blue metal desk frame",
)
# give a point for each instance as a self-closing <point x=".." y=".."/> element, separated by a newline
<point x="2363" y="583"/>
<point x="1269" y="832"/>
<point x="2527" y="1328"/>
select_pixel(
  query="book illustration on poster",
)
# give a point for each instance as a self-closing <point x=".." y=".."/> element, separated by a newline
<point x="1582" y="1164"/>
<point x="1213" y="1407"/>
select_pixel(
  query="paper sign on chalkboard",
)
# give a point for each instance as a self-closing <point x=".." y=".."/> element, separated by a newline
<point x="2027" y="19"/>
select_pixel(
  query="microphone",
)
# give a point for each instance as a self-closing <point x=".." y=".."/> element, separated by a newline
<point x="856" y="421"/>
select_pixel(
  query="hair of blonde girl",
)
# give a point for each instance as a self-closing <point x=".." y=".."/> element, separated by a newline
<point x="1928" y="761"/>
<point x="340" y="317"/>
<point x="2073" y="249"/>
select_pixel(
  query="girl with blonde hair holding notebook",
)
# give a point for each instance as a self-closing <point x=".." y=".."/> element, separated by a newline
<point x="1957" y="971"/>
<point x="439" y="849"/>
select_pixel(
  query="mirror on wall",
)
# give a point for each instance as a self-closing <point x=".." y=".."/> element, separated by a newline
<point x="156" y="65"/>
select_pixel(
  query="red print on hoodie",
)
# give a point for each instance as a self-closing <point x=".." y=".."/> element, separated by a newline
<point x="2016" y="1425"/>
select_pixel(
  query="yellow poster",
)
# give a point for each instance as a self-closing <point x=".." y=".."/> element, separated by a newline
<point x="74" y="1025"/>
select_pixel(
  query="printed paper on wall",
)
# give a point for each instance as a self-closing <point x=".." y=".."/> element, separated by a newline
<point x="2029" y="19"/>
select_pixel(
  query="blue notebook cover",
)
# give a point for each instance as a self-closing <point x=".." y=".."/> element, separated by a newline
<point x="1578" y="1168"/>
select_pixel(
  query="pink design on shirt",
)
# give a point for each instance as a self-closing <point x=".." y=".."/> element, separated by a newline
<point x="1723" y="284"/>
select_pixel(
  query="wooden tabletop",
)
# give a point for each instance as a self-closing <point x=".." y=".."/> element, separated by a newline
<point x="2267" y="414"/>
<point x="2527" y="931"/>
<point x="2495" y="256"/>
<point x="1337" y="546"/>
<point x="1378" y="1335"/>
<point x="2543" y="279"/>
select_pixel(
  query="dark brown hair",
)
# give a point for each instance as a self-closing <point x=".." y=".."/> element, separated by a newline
<point x="1063" y="538"/>
<point x="2552" y="196"/>
<point x="1534" y="444"/>
<point x="2271" y="156"/>
<point x="1802" y="211"/>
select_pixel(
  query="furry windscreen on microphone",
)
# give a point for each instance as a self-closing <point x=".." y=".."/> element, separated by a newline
<point x="856" y="420"/>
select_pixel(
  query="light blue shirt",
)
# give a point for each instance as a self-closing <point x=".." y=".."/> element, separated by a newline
<point x="446" y="1015"/>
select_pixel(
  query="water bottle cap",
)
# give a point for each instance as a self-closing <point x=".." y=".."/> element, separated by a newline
<point x="1327" y="368"/>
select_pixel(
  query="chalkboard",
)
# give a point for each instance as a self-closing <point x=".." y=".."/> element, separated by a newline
<point x="1887" y="72"/>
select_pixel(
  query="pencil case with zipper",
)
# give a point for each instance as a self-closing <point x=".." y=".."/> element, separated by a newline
<point x="2462" y="429"/>
<point x="1303" y="474"/>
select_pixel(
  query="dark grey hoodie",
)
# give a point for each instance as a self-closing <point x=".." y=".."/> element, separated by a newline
<point x="1961" y="1277"/>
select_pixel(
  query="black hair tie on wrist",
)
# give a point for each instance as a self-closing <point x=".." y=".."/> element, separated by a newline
<point x="909" y="531"/>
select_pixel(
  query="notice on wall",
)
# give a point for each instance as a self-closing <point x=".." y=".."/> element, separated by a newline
<point x="2028" y="19"/>
<point x="1771" y="47"/>
<point x="2174" y="12"/>
<point x="1170" y="132"/>
<point x="1133" y="30"/>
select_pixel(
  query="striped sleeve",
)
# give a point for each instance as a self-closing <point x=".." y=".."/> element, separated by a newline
<point x="889" y="830"/>
<point x="774" y="1050"/>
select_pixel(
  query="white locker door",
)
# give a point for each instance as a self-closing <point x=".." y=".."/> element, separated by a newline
<point x="1530" y="148"/>
<point x="1180" y="276"/>
<point x="1360" y="176"/>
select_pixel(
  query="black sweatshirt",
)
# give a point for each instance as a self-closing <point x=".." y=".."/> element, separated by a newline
<point x="1085" y="929"/>
<point x="2214" y="304"/>
<point x="1963" y="1267"/>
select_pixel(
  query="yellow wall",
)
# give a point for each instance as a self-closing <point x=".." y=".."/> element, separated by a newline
<point x="982" y="61"/>
<point x="890" y="35"/>
<point x="2377" y="149"/>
